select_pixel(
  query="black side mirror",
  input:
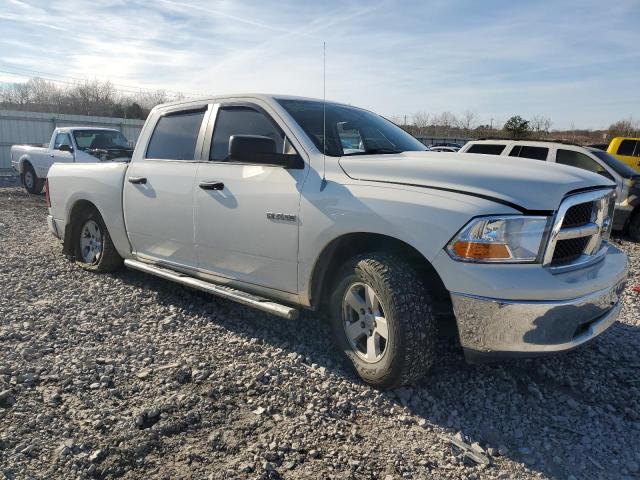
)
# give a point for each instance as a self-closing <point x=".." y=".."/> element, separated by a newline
<point x="65" y="148"/>
<point x="260" y="150"/>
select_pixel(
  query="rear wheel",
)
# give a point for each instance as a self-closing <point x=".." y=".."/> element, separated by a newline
<point x="93" y="247"/>
<point x="634" y="226"/>
<point x="382" y="320"/>
<point x="30" y="180"/>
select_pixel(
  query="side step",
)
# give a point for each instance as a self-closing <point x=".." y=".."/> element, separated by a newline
<point x="225" y="292"/>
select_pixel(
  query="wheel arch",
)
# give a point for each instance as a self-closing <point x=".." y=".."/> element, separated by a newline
<point x="24" y="160"/>
<point x="71" y="225"/>
<point x="336" y="252"/>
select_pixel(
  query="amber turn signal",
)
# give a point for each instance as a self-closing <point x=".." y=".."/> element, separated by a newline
<point x="481" y="251"/>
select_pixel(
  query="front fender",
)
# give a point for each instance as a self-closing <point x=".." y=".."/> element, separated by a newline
<point x="424" y="219"/>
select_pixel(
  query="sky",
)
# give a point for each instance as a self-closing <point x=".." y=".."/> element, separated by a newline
<point x="576" y="62"/>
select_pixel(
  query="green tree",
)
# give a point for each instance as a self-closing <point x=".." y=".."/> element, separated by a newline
<point x="517" y="127"/>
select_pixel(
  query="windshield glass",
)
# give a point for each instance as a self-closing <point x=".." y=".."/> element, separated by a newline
<point x="619" y="167"/>
<point x="350" y="130"/>
<point x="100" y="139"/>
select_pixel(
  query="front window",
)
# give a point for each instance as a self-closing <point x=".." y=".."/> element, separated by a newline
<point x="349" y="130"/>
<point x="100" y="139"/>
<point x="62" y="139"/>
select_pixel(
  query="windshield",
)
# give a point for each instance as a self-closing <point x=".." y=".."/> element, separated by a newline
<point x="100" y="139"/>
<point x="619" y="167"/>
<point x="349" y="130"/>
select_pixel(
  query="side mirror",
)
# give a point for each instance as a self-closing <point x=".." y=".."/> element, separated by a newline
<point x="260" y="150"/>
<point x="65" y="148"/>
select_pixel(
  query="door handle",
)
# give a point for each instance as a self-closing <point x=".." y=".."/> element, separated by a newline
<point x="137" y="180"/>
<point x="211" y="185"/>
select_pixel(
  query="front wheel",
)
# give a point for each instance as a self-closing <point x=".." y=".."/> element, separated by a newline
<point x="93" y="247"/>
<point x="382" y="320"/>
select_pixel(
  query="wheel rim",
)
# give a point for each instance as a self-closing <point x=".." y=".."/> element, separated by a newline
<point x="28" y="179"/>
<point x="91" y="242"/>
<point x="364" y="322"/>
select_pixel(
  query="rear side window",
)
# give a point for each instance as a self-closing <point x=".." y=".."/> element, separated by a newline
<point x="579" y="160"/>
<point x="526" y="151"/>
<point x="627" y="147"/>
<point x="62" y="139"/>
<point x="175" y="136"/>
<point x="241" y="121"/>
<point x="486" y="148"/>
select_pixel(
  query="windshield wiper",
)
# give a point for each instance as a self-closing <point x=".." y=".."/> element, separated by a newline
<point x="374" y="151"/>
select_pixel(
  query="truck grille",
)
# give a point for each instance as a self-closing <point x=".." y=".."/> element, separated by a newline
<point x="581" y="228"/>
<point x="578" y="215"/>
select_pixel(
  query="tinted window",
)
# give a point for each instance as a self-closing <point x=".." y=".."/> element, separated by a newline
<point x="62" y="139"/>
<point x="377" y="134"/>
<point x="626" y="147"/>
<point x="175" y="136"/>
<point x="579" y="160"/>
<point x="536" y="153"/>
<point x="486" y="148"/>
<point x="241" y="121"/>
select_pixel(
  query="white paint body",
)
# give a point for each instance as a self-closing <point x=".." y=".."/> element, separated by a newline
<point x="420" y="198"/>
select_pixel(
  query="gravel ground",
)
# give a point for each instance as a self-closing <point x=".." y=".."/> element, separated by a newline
<point x="130" y="376"/>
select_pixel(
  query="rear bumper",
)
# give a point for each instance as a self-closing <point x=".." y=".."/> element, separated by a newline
<point x="54" y="228"/>
<point x="491" y="328"/>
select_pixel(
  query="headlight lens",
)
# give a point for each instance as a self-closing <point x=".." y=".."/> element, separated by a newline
<point x="499" y="239"/>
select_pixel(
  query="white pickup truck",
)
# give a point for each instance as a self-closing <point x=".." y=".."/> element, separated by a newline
<point x="68" y="144"/>
<point x="256" y="198"/>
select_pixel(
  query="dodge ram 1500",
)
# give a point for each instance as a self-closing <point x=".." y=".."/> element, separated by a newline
<point x="255" y="198"/>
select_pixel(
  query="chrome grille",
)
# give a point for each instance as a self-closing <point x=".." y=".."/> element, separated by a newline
<point x="580" y="229"/>
<point x="578" y="215"/>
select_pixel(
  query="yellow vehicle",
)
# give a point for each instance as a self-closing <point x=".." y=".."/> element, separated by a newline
<point x="626" y="150"/>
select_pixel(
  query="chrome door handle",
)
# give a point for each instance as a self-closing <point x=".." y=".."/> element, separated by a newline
<point x="211" y="185"/>
<point x="137" y="180"/>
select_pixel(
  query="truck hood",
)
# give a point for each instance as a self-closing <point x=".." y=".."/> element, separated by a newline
<point x="517" y="182"/>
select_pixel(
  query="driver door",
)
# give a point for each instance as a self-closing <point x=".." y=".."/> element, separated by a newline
<point x="238" y="235"/>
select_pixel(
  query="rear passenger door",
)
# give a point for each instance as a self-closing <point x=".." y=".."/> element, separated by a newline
<point x="159" y="188"/>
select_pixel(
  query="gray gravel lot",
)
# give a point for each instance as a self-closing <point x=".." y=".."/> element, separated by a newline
<point x="130" y="376"/>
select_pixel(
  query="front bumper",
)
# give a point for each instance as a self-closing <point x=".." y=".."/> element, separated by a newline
<point x="491" y="327"/>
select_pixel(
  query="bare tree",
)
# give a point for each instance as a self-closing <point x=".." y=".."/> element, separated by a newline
<point x="540" y="125"/>
<point x="624" y="128"/>
<point x="468" y="121"/>
<point x="90" y="97"/>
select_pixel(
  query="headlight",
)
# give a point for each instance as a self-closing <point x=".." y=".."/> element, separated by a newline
<point x="499" y="239"/>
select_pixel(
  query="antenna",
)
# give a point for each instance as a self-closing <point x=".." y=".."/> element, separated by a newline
<point x="323" y="183"/>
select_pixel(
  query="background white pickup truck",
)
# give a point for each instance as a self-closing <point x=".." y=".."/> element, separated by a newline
<point x="253" y="199"/>
<point x="69" y="144"/>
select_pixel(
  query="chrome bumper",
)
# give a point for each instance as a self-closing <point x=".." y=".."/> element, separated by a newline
<point x="492" y="328"/>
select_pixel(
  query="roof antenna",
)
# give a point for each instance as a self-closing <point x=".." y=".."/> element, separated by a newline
<point x="323" y="183"/>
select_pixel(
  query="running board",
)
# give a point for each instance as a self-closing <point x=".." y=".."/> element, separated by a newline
<point x="222" y="291"/>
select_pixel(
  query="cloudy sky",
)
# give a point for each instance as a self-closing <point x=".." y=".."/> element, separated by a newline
<point x="577" y="62"/>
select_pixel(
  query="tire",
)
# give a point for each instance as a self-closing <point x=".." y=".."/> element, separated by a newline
<point x="634" y="226"/>
<point x="30" y="180"/>
<point x="92" y="245"/>
<point x="399" y="297"/>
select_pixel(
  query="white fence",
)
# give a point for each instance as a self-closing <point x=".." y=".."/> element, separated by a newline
<point x="36" y="128"/>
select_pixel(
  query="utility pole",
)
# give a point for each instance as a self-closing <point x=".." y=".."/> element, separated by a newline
<point x="491" y="127"/>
